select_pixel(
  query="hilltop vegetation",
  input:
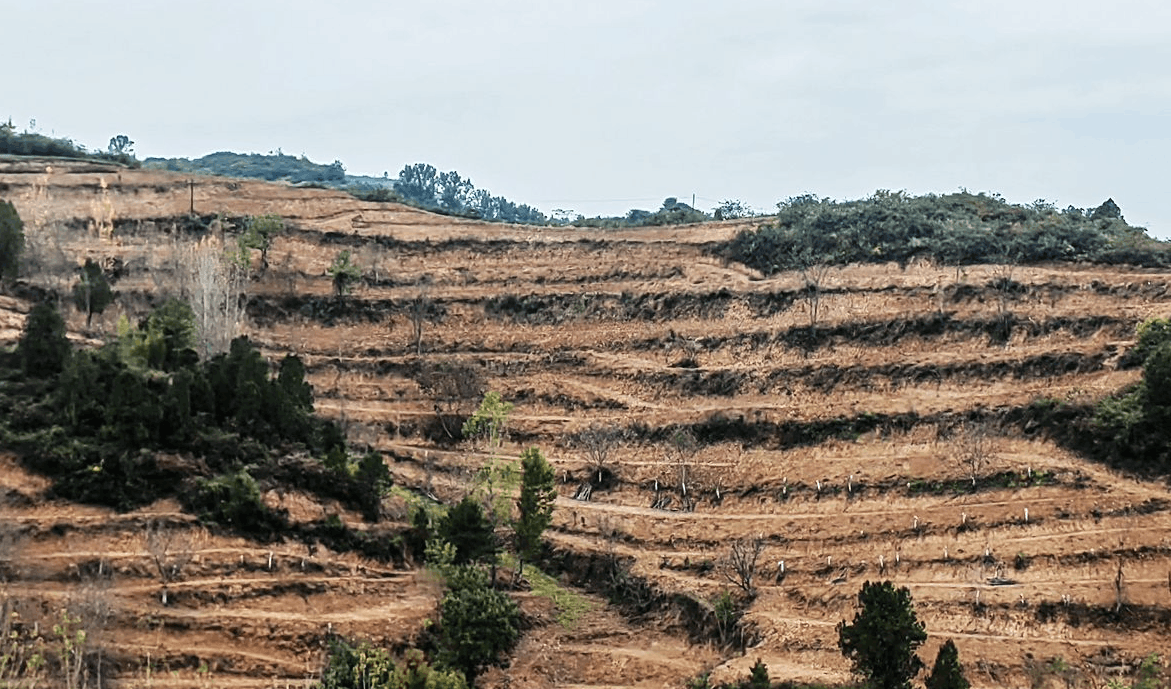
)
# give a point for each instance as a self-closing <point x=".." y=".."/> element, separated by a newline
<point x="950" y="229"/>
<point x="33" y="143"/>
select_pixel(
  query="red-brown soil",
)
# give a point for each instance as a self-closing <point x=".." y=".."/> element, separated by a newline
<point x="646" y="331"/>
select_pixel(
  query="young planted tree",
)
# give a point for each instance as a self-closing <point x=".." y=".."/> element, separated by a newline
<point x="947" y="673"/>
<point x="419" y="310"/>
<point x="598" y="443"/>
<point x="882" y="639"/>
<point x="170" y="550"/>
<point x="11" y="242"/>
<point x="537" y="494"/>
<point x="91" y="292"/>
<point x="344" y="272"/>
<point x="487" y="427"/>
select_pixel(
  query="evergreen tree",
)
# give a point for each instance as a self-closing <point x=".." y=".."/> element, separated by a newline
<point x="91" y="292"/>
<point x="947" y="673"/>
<point x="478" y="623"/>
<point x="43" y="348"/>
<point x="537" y="493"/>
<point x="467" y="529"/>
<point x="11" y="241"/>
<point x="882" y="639"/>
<point x="759" y="677"/>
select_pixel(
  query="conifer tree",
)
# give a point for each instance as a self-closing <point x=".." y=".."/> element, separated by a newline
<point x="947" y="673"/>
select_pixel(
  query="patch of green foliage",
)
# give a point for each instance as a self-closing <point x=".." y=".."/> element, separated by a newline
<point x="882" y="639"/>
<point x="951" y="229"/>
<point x="570" y="604"/>
<point x="94" y="419"/>
<point x="344" y="272"/>
<point x="32" y="143"/>
<point x="360" y="665"/>
<point x="269" y="167"/>
<point x="478" y="624"/>
<point x="11" y="242"/>
<point x="947" y="672"/>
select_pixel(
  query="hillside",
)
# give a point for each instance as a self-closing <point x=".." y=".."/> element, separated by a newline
<point x="838" y="446"/>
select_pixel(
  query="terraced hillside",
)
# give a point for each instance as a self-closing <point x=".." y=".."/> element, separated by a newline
<point x="894" y="437"/>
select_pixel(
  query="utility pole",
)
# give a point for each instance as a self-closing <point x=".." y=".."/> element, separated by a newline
<point x="191" y="183"/>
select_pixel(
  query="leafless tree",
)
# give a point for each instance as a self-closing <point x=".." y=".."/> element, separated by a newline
<point x="420" y="310"/>
<point x="599" y="442"/>
<point x="92" y="609"/>
<point x="974" y="449"/>
<point x="215" y="286"/>
<point x="814" y="275"/>
<point x="740" y="568"/>
<point x="170" y="549"/>
<point x="681" y="451"/>
<point x="1119" y="589"/>
<point x="455" y="390"/>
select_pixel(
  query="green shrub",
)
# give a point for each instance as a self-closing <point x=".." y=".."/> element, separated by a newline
<point x="11" y="241"/>
<point x="1152" y="333"/>
<point x="43" y="348"/>
<point x="233" y="500"/>
<point x="478" y="623"/>
<point x="360" y="665"/>
<point x="91" y="292"/>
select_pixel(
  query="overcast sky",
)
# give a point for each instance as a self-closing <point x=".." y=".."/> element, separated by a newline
<point x="608" y="105"/>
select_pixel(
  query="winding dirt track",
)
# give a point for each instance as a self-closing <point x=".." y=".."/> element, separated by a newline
<point x="646" y="331"/>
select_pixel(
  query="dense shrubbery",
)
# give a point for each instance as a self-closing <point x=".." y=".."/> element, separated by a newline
<point x="359" y="665"/>
<point x="35" y="144"/>
<point x="952" y="229"/>
<point x="1135" y="424"/>
<point x="94" y="419"/>
<point x="255" y="165"/>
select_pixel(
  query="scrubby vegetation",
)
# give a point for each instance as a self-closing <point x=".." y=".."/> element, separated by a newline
<point x="1130" y="429"/>
<point x="950" y="229"/>
<point x="271" y="167"/>
<point x="95" y="420"/>
<point x="33" y="143"/>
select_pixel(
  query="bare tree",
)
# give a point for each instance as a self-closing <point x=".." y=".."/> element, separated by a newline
<point x="974" y="449"/>
<point x="215" y="286"/>
<point x="170" y="550"/>
<point x="740" y="568"/>
<point x="92" y="610"/>
<point x="681" y="451"/>
<point x="455" y="390"/>
<point x="420" y="310"/>
<point x="1119" y="589"/>
<point x="598" y="442"/>
<point x="813" y="275"/>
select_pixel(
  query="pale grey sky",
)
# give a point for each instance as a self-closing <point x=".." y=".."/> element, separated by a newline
<point x="606" y="105"/>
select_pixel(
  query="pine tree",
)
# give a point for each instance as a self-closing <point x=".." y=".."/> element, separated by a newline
<point x="11" y="241"/>
<point x="91" y="292"/>
<point x="759" y="677"/>
<point x="947" y="673"/>
<point x="882" y="639"/>
<point x="537" y="493"/>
